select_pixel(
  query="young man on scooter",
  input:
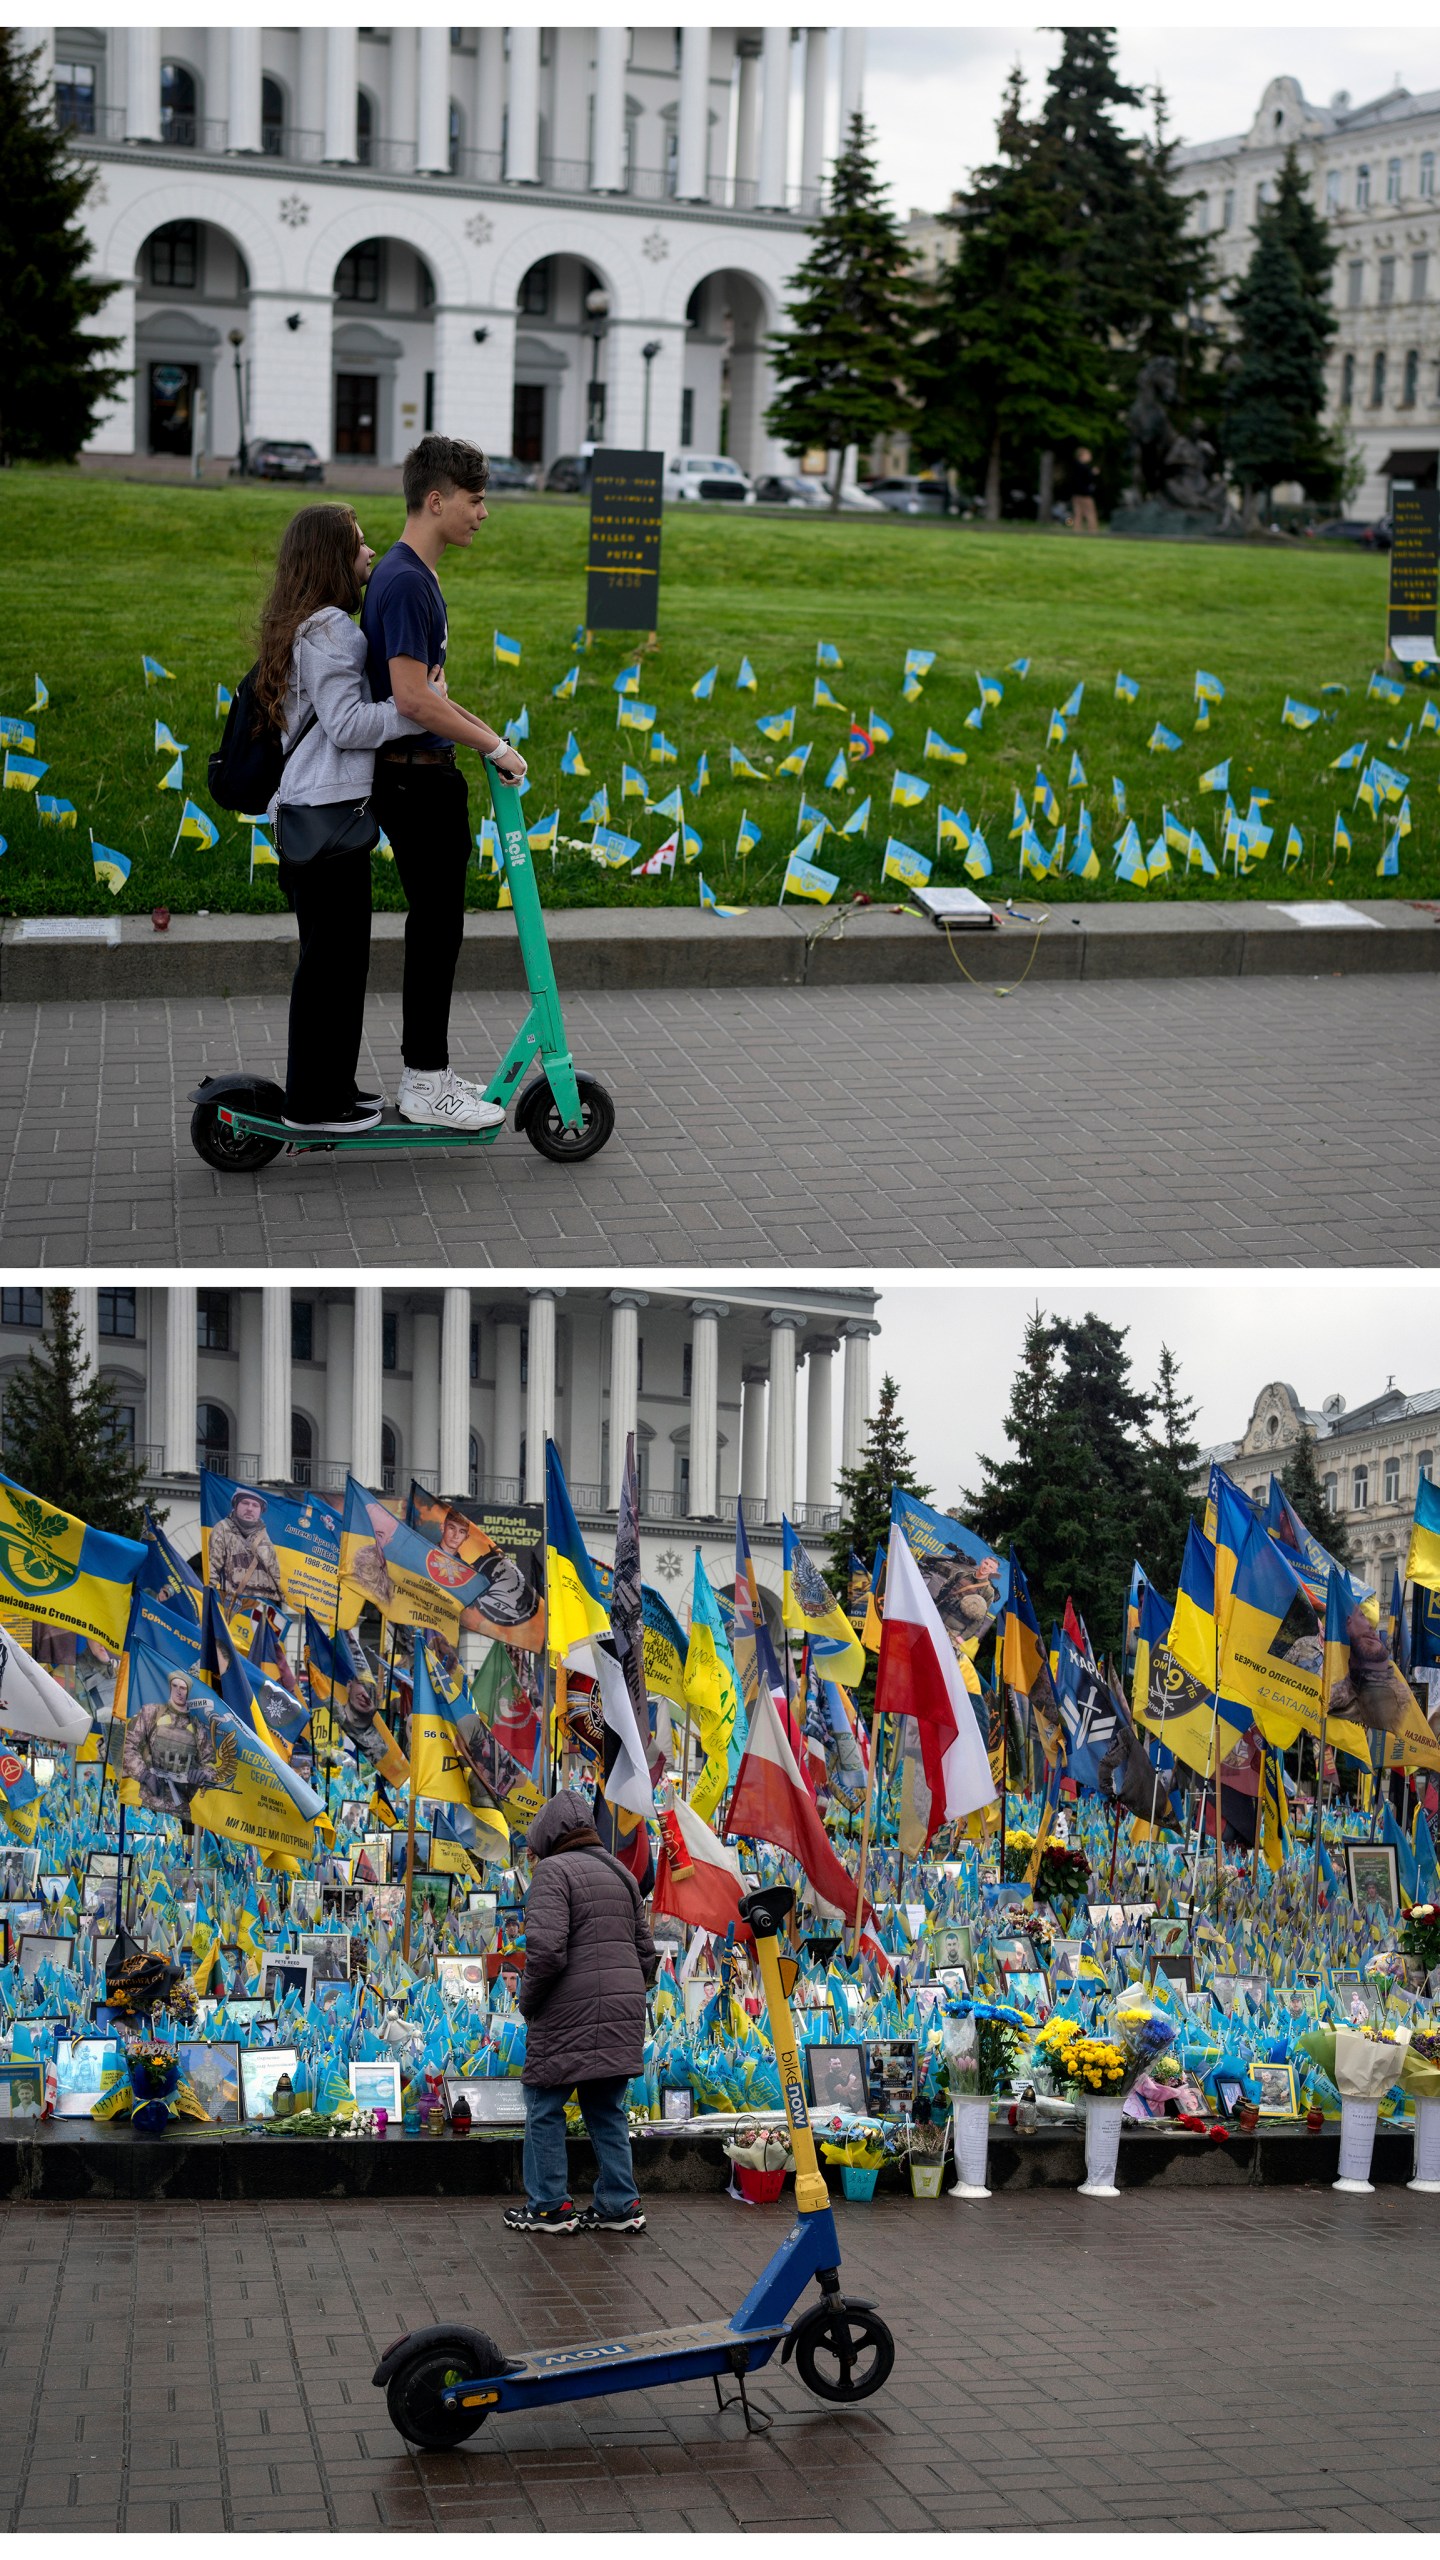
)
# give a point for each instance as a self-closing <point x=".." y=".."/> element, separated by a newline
<point x="420" y="793"/>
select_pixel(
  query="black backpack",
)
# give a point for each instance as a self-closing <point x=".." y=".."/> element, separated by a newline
<point x="246" y="767"/>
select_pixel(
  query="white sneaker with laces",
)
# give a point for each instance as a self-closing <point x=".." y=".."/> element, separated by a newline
<point x="439" y="1100"/>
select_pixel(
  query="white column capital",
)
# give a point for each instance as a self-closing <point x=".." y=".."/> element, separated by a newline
<point x="274" y="1383"/>
<point x="708" y="1307"/>
<point x="629" y="1298"/>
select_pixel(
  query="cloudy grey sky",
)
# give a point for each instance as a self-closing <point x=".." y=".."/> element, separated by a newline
<point x="933" y="92"/>
<point x="954" y="1350"/>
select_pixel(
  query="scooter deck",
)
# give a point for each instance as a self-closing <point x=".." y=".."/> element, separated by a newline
<point x="618" y="2364"/>
<point x="390" y="1134"/>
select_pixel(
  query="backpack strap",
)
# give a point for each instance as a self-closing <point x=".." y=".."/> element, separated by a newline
<point x="306" y="725"/>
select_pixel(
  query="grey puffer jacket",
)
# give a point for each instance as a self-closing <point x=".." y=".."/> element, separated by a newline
<point x="588" y="1956"/>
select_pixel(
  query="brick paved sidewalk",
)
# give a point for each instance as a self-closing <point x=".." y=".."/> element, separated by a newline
<point x="1184" y="2361"/>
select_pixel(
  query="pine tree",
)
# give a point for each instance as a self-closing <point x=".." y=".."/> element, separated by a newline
<point x="1300" y="1479"/>
<point x="865" y="1490"/>
<point x="1172" y="1456"/>
<point x="63" y="1435"/>
<point x="53" y="381"/>
<point x="1285" y="324"/>
<point x="842" y="362"/>
<point x="1009" y="369"/>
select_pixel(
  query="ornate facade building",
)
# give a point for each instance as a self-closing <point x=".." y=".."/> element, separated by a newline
<point x="1369" y="1457"/>
<point x="527" y="236"/>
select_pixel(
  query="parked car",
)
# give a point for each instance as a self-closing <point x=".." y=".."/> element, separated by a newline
<point x="270" y="460"/>
<point x="1369" y="536"/>
<point x="707" y="477"/>
<point x="793" y="489"/>
<point x="914" y="496"/>
<point x="566" y="476"/>
<point x="507" y="473"/>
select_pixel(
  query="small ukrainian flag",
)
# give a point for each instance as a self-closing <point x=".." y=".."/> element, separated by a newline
<point x="777" y="727"/>
<point x="565" y="690"/>
<point x="571" y="760"/>
<point x="628" y="680"/>
<point x="908" y="790"/>
<point x="54" y="813"/>
<point x="704" y="685"/>
<point x="155" y="673"/>
<point x="22" y="773"/>
<point x="858" y="822"/>
<point x="904" y="864"/>
<point x="110" y="867"/>
<point x="827" y="655"/>
<point x="746" y="681"/>
<point x="940" y="751"/>
<point x="977" y="858"/>
<point x="197" y="827"/>
<point x="1126" y="687"/>
<point x="174" y="780"/>
<point x="42" y="696"/>
<point x="747" y="836"/>
<point x="795" y="762"/>
<point x="507" y="651"/>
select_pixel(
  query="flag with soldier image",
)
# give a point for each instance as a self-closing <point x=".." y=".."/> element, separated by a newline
<point x="268" y="1547"/>
<point x="187" y="1754"/>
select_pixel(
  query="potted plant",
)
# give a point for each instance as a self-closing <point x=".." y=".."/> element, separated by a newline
<point x="928" y="2142"/>
<point x="1363" y="2062"/>
<point x="1418" y="1939"/>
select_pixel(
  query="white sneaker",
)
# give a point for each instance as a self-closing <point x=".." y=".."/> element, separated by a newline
<point x="439" y="1100"/>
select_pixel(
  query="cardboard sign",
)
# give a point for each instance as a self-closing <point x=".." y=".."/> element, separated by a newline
<point x="623" y="588"/>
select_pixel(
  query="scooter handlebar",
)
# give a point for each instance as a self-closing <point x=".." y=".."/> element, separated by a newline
<point x="766" y="1912"/>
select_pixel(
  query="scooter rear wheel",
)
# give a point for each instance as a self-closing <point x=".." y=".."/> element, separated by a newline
<point x="844" y="2354"/>
<point x="417" y="2412"/>
<point x="229" y="1150"/>
<point x="539" y="1118"/>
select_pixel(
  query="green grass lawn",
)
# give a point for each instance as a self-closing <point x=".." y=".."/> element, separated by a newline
<point x="95" y="572"/>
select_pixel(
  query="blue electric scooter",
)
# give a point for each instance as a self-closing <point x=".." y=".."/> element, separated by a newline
<point x="440" y="2384"/>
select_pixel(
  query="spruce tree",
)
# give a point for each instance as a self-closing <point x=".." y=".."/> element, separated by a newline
<point x="865" y="1490"/>
<point x="63" y="1434"/>
<point x="1172" y="1456"/>
<point x="1084" y="93"/>
<point x="1285" y="323"/>
<point x="53" y="381"/>
<point x="1300" y="1480"/>
<point x="842" y="362"/>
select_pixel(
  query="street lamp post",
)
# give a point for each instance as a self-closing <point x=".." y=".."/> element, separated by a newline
<point x="237" y="341"/>
<point x="597" y="304"/>
<point x="649" y="354"/>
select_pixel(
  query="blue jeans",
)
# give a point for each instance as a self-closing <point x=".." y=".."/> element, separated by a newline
<point x="602" y="2104"/>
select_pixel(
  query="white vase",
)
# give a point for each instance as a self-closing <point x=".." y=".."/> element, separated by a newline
<point x="1358" y="2117"/>
<point x="1102" y="2145"/>
<point x="1426" y="2181"/>
<point x="971" y="2117"/>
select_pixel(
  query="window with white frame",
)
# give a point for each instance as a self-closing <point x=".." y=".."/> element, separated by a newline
<point x="1387" y="281"/>
<point x="1227" y="219"/>
<point x="1392" y="181"/>
<point x="1355" y="283"/>
<point x="1410" y="386"/>
<point x="1419" y="275"/>
<point x="1425" y="1466"/>
<point x="1362" y="187"/>
<point x="1332" y="1493"/>
<point x="1427" y="173"/>
<point x="1332" y="191"/>
<point x="1392" y="1480"/>
<point x="1360" y="1489"/>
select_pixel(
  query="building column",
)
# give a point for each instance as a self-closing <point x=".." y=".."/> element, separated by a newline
<point x="142" y="124"/>
<point x="747" y="123"/>
<point x="342" y="84"/>
<point x="404" y="115"/>
<point x="309" y="99"/>
<point x="820" y="1350"/>
<point x="455" y="1392"/>
<point x="774" y="117"/>
<point x="780" y="1436"/>
<point x="855" y="1411"/>
<point x="86" y="1305"/>
<point x="705" y="1314"/>
<point x="275" y="1384"/>
<point x="753" y="1384"/>
<point x="539" y="1387"/>
<point x="248" y="1305"/>
<point x="339" y="1380"/>
<point x="625" y="1305"/>
<point x="607" y="148"/>
<point x="425" y="1399"/>
<point x="522" y="128"/>
<point x="812" y="142"/>
<point x="692" y="180"/>
<point x="245" y="102"/>
<point x="365" y="1387"/>
<point x="180" y="1390"/>
<point x="852" y="78"/>
<point x="490" y="101"/>
<point x="505" y="1456"/>
<point x="432" y="154"/>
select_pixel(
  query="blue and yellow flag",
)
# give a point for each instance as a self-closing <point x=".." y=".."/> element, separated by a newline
<point x="805" y="879"/>
<point x="54" y="1568"/>
<point x="21" y="773"/>
<point x="154" y="673"/>
<point x="712" y="1689"/>
<point x="634" y="715"/>
<point x="745" y="681"/>
<point x="1272" y="1644"/>
<point x="1274" y="1810"/>
<point x="507" y="651"/>
<point x="268" y="1547"/>
<point x="196" y="828"/>
<point x="344" y="1705"/>
<point x="777" y="727"/>
<point x="912" y="869"/>
<point x="907" y="790"/>
<point x="858" y="822"/>
<point x="575" y="1610"/>
<point x="188" y="1754"/>
<point x="704" y="686"/>
<point x="810" y="1607"/>
<point x="445" y="1740"/>
<point x="1422" y="1562"/>
<point x="1126" y="687"/>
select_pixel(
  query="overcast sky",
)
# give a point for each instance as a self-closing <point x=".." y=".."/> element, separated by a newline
<point x="954" y="1350"/>
<point x="933" y="93"/>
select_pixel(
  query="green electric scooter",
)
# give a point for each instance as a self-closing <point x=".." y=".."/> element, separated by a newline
<point x="238" y="1124"/>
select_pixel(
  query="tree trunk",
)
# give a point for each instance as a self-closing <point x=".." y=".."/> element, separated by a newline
<point x="1045" y="495"/>
<point x="992" y="481"/>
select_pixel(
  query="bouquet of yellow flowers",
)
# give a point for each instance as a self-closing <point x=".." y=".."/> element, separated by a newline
<point x="1094" y="2065"/>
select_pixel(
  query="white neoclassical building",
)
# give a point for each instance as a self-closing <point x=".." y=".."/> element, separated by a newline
<point x="760" y="1393"/>
<point x="527" y="236"/>
<point x="1372" y="171"/>
<point x="1370" y="1457"/>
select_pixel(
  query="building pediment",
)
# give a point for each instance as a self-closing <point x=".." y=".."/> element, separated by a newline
<point x="1285" y="115"/>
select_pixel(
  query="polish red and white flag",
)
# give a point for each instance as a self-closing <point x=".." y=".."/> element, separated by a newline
<point x="771" y="1801"/>
<point x="919" y="1676"/>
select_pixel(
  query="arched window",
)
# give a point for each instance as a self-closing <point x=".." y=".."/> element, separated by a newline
<point x="1332" y="1493"/>
<point x="178" y="105"/>
<point x="1347" y="382"/>
<point x="1360" y="1489"/>
<point x="364" y="126"/>
<point x="212" y="1439"/>
<point x="1392" y="1480"/>
<point x="534" y="295"/>
<point x="272" y="117"/>
<point x="1377" y="379"/>
<point x="389" y="1457"/>
<point x="1411" y="390"/>
<point x="302" y="1450"/>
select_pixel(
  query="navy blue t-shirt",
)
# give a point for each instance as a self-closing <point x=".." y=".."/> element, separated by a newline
<point x="403" y="616"/>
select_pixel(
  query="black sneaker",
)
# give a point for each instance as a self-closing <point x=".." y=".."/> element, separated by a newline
<point x="542" y="2217"/>
<point x="370" y="1101"/>
<point x="357" y="1116"/>
<point x="590" y="2218"/>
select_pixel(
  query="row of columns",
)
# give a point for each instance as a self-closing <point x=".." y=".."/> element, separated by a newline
<point x="440" y="1406"/>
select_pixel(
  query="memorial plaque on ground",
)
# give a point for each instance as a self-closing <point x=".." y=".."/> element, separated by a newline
<point x="1414" y="559"/>
<point x="623" y="589"/>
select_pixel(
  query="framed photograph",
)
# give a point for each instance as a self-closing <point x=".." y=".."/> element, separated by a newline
<point x="890" y="2076"/>
<point x="19" y="1873"/>
<point x="1169" y="1937"/>
<point x="370" y="1863"/>
<point x="465" y="1978"/>
<point x="208" y="2009"/>
<point x="1138" y="1910"/>
<point x="1228" y="1990"/>
<point x="1029" y="1991"/>
<point x="952" y="1944"/>
<point x="22" y="2086"/>
<point x="260" y="2068"/>
<point x="1013" y="1954"/>
<point x="377" y="2084"/>
<point x="485" y="1903"/>
<point x="1231" y="2094"/>
<point x="1277" y="2088"/>
<point x="400" y="1852"/>
<point x="283" y="1974"/>
<point x="54" y="1888"/>
<point x="1177" y="1969"/>
<point x="340" y="1902"/>
<point x="81" y="2063"/>
<point x="1066" y="1957"/>
<point x="489" y="2101"/>
<point x="434" y="1889"/>
<point x="328" y="1953"/>
<point x="928" y="1997"/>
<point x="677" y="2106"/>
<point x="34" y="1949"/>
<point x="1370" y="1872"/>
<point x="213" y="2071"/>
<point x="836" y="2077"/>
<point x="1107" y="1915"/>
<point x="954" y="1979"/>
<point x="352" y="1814"/>
<point x="22" y="1916"/>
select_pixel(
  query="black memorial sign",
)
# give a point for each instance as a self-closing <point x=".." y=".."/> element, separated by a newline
<point x="623" y="591"/>
<point x="1414" y="562"/>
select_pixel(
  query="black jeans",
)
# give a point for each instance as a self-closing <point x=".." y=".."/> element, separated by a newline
<point x="425" y="811"/>
<point x="331" y="903"/>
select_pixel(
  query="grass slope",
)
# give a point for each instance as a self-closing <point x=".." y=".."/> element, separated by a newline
<point x="93" y="572"/>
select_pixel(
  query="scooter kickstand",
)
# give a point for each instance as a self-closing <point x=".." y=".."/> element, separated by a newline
<point x="756" y="2422"/>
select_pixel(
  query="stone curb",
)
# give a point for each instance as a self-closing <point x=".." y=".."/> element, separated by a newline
<point x="598" y="949"/>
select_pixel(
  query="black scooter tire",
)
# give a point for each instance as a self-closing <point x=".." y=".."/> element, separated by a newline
<point x="229" y="1150"/>
<point x="844" y="2354"/>
<point x="417" y="2412"/>
<point x="539" y="1119"/>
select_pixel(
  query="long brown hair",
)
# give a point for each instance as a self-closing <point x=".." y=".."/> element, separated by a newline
<point x="315" y="568"/>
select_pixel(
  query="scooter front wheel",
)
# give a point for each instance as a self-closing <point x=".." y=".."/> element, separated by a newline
<point x="844" y="2354"/>
<point x="229" y="1150"/>
<point x="417" y="2411"/>
<point x="539" y="1118"/>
